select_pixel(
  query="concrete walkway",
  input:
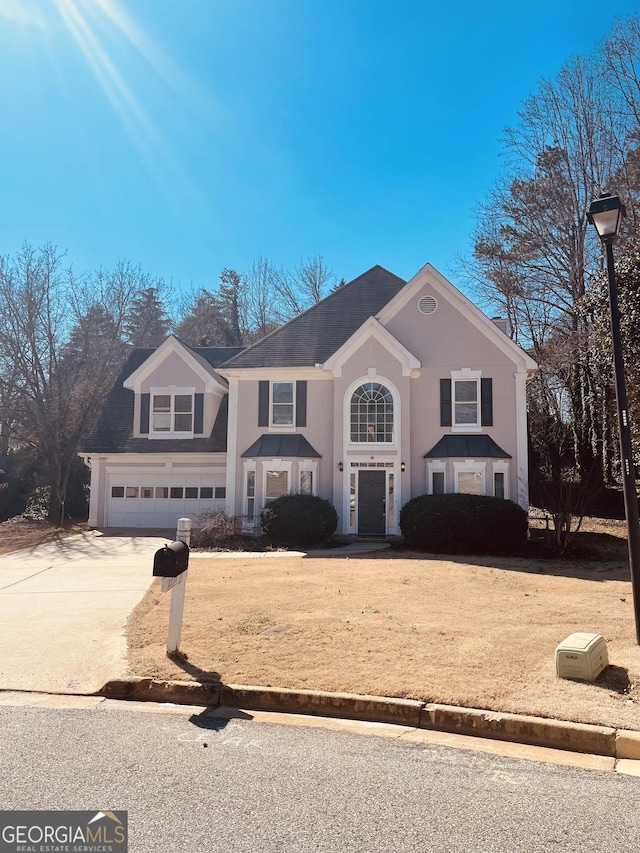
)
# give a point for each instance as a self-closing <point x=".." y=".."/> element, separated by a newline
<point x="64" y="607"/>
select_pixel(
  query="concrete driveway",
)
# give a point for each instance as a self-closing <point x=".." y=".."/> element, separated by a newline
<point x="64" y="607"/>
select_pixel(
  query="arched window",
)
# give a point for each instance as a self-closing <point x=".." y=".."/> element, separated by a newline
<point x="372" y="413"/>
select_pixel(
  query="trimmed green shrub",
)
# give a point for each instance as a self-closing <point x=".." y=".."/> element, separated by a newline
<point x="463" y="524"/>
<point x="296" y="519"/>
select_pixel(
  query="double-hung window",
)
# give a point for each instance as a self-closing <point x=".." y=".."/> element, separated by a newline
<point x="172" y="412"/>
<point x="282" y="404"/>
<point x="466" y="401"/>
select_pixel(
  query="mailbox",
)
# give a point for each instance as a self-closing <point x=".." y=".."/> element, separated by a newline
<point x="171" y="561"/>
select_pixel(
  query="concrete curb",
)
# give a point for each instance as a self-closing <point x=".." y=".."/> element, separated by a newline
<point x="516" y="728"/>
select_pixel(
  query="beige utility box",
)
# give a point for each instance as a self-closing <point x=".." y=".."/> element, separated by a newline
<point x="582" y="656"/>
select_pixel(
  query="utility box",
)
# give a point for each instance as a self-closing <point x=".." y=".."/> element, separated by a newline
<point x="582" y="657"/>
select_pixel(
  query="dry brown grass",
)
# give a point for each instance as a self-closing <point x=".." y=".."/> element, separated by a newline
<point x="474" y="632"/>
<point x="20" y="532"/>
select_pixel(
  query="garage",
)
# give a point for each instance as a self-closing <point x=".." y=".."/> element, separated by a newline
<point x="159" y="500"/>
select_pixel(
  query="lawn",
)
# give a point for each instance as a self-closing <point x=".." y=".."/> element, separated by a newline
<point x="465" y="631"/>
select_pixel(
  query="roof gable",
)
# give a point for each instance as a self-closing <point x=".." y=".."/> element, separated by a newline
<point x="371" y="328"/>
<point x="443" y="288"/>
<point x="314" y="336"/>
<point x="200" y="365"/>
<point x="112" y="433"/>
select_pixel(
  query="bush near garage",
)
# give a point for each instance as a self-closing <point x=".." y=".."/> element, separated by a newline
<point x="463" y="524"/>
<point x="299" y="520"/>
<point x="214" y="530"/>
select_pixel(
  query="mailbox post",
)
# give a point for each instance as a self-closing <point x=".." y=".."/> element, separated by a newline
<point x="171" y="564"/>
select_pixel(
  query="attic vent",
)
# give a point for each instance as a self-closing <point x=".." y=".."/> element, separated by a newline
<point x="427" y="305"/>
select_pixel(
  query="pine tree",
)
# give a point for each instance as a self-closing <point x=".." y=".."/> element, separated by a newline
<point x="147" y="323"/>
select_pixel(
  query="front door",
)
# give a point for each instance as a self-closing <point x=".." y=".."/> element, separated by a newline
<point x="372" y="516"/>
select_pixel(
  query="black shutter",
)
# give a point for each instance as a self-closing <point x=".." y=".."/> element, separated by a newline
<point x="486" y="402"/>
<point x="145" y="403"/>
<point x="301" y="403"/>
<point x="198" y="414"/>
<point x="445" y="402"/>
<point x="263" y="403"/>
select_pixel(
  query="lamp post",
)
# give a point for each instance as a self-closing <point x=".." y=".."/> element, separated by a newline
<point x="606" y="214"/>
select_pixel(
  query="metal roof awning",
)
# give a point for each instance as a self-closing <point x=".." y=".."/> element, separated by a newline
<point x="467" y="447"/>
<point x="280" y="446"/>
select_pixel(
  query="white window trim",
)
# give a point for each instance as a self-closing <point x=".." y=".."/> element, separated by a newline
<point x="470" y="466"/>
<point x="274" y="465"/>
<point x="501" y="468"/>
<point x="249" y="465"/>
<point x="468" y="375"/>
<point x="282" y="427"/>
<point x="311" y="466"/>
<point x="379" y="446"/>
<point x="433" y="467"/>
<point x="172" y="391"/>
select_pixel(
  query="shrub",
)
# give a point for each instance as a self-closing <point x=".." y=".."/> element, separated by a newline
<point x="38" y="503"/>
<point x="463" y="524"/>
<point x="302" y="520"/>
<point x="213" y="529"/>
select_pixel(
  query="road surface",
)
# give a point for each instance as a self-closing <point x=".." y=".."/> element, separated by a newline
<point x="191" y="781"/>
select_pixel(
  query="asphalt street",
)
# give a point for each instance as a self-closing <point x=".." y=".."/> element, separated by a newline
<point x="195" y="782"/>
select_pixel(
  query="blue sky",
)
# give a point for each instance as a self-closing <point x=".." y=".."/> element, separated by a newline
<point x="192" y="135"/>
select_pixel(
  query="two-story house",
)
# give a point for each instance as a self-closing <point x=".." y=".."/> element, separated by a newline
<point x="382" y="391"/>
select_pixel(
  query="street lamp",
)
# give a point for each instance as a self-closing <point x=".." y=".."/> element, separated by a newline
<point x="606" y="214"/>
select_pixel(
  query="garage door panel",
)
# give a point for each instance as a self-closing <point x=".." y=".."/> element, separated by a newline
<point x="144" y="500"/>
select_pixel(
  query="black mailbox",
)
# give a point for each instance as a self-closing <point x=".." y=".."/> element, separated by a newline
<point x="171" y="561"/>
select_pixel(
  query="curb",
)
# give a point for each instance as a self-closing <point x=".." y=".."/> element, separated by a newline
<point x="516" y="728"/>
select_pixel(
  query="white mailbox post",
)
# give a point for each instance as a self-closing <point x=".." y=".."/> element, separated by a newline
<point x="178" y="587"/>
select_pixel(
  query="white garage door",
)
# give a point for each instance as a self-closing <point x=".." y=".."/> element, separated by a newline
<point x="159" y="500"/>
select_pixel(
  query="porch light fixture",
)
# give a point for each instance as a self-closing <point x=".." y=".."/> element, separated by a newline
<point x="606" y="214"/>
<point x="403" y="467"/>
<point x="340" y="466"/>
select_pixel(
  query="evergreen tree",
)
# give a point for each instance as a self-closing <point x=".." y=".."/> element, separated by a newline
<point x="213" y="319"/>
<point x="147" y="323"/>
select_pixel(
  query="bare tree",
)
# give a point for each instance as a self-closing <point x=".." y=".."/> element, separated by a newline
<point x="262" y="312"/>
<point x="534" y="251"/>
<point x="60" y="348"/>
<point x="305" y="287"/>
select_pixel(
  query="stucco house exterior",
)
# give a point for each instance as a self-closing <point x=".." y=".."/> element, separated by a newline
<point x="382" y="391"/>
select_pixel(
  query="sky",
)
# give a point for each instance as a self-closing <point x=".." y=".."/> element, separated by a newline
<point x="187" y="136"/>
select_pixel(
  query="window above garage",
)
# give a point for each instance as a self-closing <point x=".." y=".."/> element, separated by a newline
<point x="171" y="412"/>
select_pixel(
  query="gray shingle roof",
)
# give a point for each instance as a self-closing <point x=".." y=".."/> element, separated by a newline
<point x="315" y="335"/>
<point x="467" y="447"/>
<point x="112" y="432"/>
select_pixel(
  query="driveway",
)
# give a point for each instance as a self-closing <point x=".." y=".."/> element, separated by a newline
<point x="64" y="607"/>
